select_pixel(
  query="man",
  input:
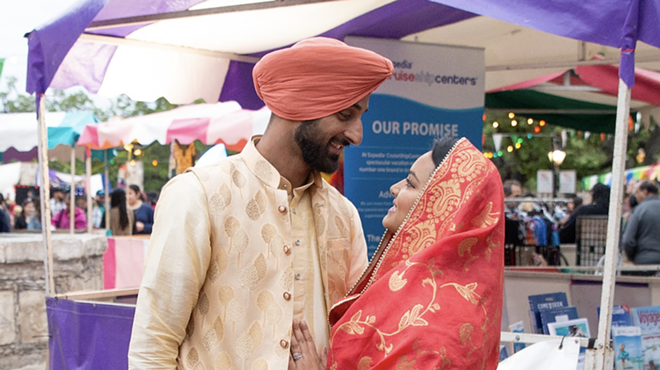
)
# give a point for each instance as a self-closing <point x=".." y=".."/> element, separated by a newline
<point x="600" y="205"/>
<point x="242" y="247"/>
<point x="99" y="209"/>
<point x="641" y="239"/>
<point x="57" y="202"/>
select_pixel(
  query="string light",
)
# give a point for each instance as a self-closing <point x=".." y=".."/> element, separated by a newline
<point x="541" y="123"/>
<point x="154" y="163"/>
<point x="537" y="129"/>
<point x="137" y="152"/>
<point x="530" y="121"/>
<point x="496" y="124"/>
<point x="509" y="148"/>
<point x="518" y="145"/>
<point x="514" y="123"/>
<point x="511" y="115"/>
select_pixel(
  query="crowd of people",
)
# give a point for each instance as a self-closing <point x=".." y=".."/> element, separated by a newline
<point x="129" y="215"/>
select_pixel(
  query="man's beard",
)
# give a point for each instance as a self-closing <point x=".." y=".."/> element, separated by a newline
<point x="315" y="153"/>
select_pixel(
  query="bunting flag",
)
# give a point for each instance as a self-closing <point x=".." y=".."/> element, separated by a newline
<point x="497" y="140"/>
<point x="514" y="138"/>
<point x="563" y="138"/>
<point x="2" y="63"/>
<point x="586" y="135"/>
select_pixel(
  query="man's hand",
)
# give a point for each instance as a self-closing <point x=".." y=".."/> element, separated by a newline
<point x="303" y="351"/>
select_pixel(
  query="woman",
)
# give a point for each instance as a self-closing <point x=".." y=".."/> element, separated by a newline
<point x="121" y="220"/>
<point x="62" y="219"/>
<point x="28" y="218"/>
<point x="432" y="295"/>
<point x="143" y="214"/>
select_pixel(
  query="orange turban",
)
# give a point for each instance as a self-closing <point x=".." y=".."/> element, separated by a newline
<point x="318" y="77"/>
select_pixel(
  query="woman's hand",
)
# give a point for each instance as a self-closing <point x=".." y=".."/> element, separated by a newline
<point x="303" y="351"/>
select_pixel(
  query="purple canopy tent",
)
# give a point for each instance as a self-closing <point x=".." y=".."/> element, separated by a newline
<point x="104" y="31"/>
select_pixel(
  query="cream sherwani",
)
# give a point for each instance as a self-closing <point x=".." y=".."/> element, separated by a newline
<point x="228" y="266"/>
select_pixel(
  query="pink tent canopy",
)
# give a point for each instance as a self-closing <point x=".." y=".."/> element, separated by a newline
<point x="209" y="123"/>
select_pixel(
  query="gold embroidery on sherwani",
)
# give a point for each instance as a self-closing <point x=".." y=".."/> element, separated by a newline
<point x="251" y="275"/>
<point x="238" y="238"/>
<point x="257" y="206"/>
<point x="214" y="335"/>
<point x="248" y="342"/>
<point x="260" y="364"/>
<point x="203" y="303"/>
<point x="223" y="361"/>
<point x="220" y="200"/>
<point x="275" y="242"/>
<point x="272" y="311"/>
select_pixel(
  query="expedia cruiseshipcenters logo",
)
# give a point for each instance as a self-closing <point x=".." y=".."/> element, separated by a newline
<point x="403" y="72"/>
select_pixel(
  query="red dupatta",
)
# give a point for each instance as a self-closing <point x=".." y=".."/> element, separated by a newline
<point x="431" y="297"/>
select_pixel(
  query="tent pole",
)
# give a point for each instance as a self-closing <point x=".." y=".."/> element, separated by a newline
<point x="88" y="171"/>
<point x="604" y="354"/>
<point x="72" y="192"/>
<point x="106" y="185"/>
<point x="44" y="194"/>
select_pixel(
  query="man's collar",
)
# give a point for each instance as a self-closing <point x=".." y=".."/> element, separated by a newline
<point x="263" y="169"/>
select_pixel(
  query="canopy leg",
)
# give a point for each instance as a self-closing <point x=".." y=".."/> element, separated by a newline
<point x="72" y="193"/>
<point x="601" y="358"/>
<point x="44" y="194"/>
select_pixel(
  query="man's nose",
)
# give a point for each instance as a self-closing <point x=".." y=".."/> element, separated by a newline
<point x="353" y="132"/>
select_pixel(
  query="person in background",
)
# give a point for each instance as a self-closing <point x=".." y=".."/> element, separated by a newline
<point x="19" y="218"/>
<point x="121" y="219"/>
<point x="98" y="212"/>
<point x="57" y="202"/>
<point x="641" y="239"/>
<point x="27" y="217"/>
<point x="142" y="213"/>
<point x="571" y="207"/>
<point x="152" y="199"/>
<point x="81" y="202"/>
<point x="62" y="219"/>
<point x="5" y="217"/>
<point x="600" y="205"/>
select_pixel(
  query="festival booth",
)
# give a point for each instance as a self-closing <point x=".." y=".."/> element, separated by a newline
<point x="19" y="142"/>
<point x="148" y="54"/>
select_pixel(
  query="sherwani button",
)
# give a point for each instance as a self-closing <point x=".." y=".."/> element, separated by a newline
<point x="284" y="344"/>
<point x="287" y="296"/>
<point x="298" y="277"/>
<point x="287" y="250"/>
<point x="282" y="209"/>
<point x="297" y="242"/>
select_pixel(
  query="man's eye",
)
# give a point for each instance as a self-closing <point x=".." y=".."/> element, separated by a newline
<point x="345" y="116"/>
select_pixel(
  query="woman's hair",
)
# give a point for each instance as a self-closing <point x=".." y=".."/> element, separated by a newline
<point x="441" y="148"/>
<point x="118" y="199"/>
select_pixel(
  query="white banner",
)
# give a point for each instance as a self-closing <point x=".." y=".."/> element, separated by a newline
<point x="567" y="180"/>
<point x="544" y="181"/>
